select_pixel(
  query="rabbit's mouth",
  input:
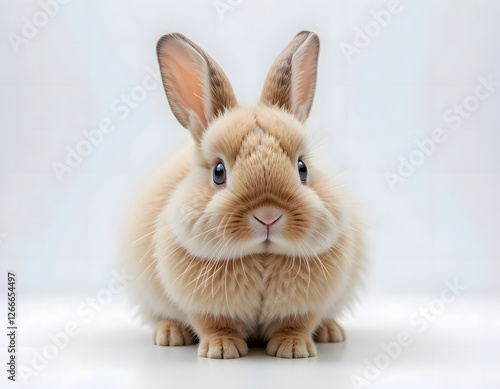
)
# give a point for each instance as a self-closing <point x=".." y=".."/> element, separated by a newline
<point x="267" y="223"/>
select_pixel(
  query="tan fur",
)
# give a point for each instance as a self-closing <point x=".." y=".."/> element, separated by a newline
<point x="214" y="88"/>
<point x="170" y="333"/>
<point x="329" y="332"/>
<point x="221" y="337"/>
<point x="290" y="336"/>
<point x="202" y="260"/>
<point x="281" y="80"/>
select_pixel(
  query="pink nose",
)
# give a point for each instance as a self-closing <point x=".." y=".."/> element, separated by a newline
<point x="267" y="216"/>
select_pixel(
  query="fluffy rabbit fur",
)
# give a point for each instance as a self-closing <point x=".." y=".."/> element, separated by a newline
<point x="270" y="253"/>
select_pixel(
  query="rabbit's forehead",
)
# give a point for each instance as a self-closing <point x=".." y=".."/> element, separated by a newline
<point x="253" y="132"/>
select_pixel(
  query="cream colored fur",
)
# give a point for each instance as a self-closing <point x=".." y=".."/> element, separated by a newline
<point x="205" y="267"/>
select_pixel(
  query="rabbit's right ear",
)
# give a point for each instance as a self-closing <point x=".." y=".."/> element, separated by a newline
<point x="197" y="89"/>
<point x="291" y="82"/>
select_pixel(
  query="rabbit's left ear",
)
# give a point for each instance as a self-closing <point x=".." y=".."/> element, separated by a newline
<point x="291" y="82"/>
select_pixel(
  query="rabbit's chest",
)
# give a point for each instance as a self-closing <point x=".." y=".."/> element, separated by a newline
<point x="231" y="288"/>
<point x="260" y="289"/>
<point x="255" y="289"/>
<point x="294" y="287"/>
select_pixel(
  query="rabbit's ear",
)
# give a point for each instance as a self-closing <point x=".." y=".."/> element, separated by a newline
<point x="291" y="82"/>
<point x="197" y="88"/>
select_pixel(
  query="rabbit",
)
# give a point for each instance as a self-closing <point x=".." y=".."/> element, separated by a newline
<point x="243" y="235"/>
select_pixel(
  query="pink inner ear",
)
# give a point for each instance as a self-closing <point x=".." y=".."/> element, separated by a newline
<point x="304" y="78"/>
<point x="307" y="78"/>
<point x="186" y="77"/>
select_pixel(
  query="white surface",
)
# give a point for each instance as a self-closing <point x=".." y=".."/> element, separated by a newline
<point x="459" y="349"/>
<point x="442" y="222"/>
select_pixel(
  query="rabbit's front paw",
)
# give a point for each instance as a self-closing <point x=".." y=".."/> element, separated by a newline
<point x="169" y="333"/>
<point x="222" y="347"/>
<point x="285" y="345"/>
<point x="330" y="332"/>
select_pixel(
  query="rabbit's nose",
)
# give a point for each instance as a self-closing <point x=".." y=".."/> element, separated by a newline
<point x="267" y="216"/>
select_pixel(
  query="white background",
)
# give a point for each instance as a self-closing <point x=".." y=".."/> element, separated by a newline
<point x="62" y="237"/>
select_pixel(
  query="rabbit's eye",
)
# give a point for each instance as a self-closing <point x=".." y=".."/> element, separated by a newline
<point x="219" y="174"/>
<point x="302" y="170"/>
